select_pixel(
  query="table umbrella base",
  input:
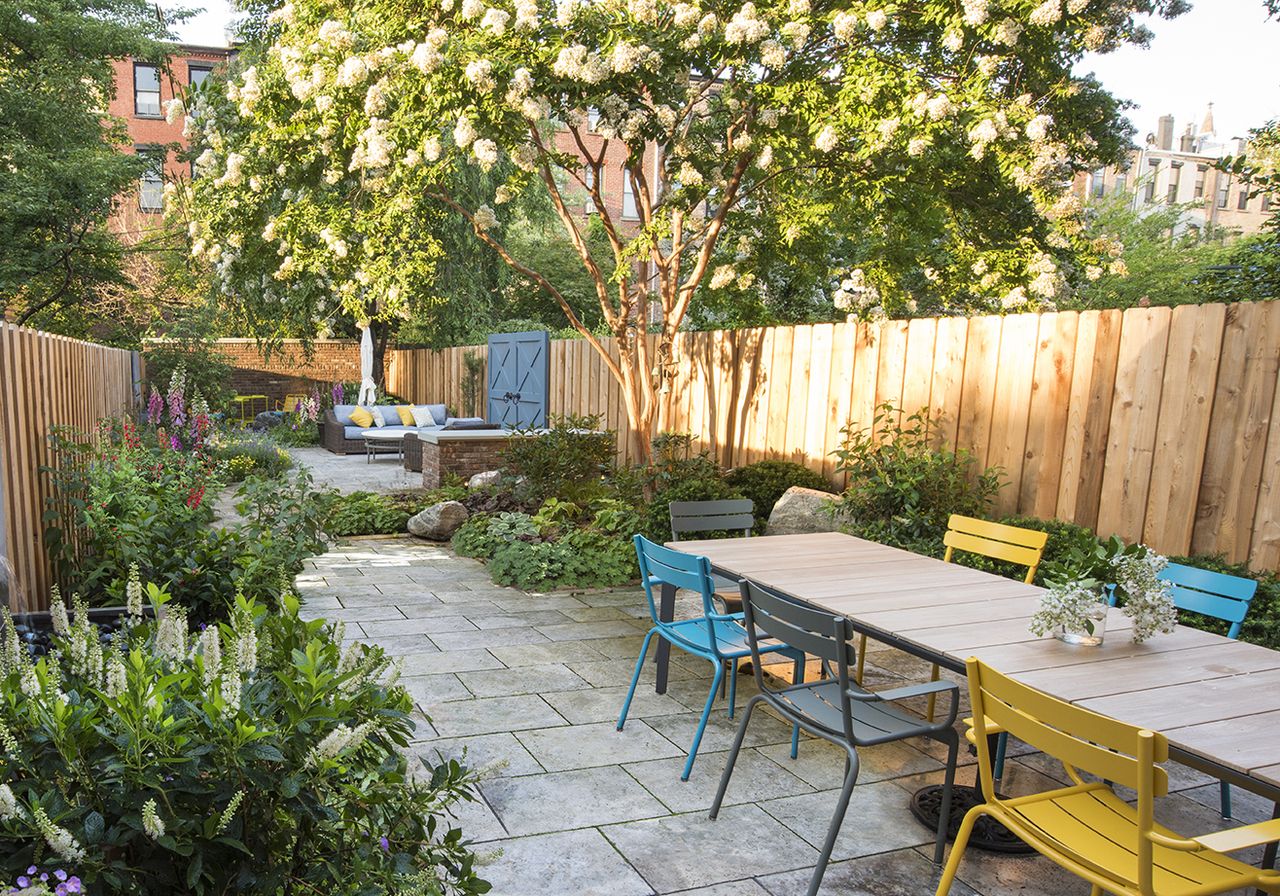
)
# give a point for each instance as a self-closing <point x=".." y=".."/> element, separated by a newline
<point x="988" y="834"/>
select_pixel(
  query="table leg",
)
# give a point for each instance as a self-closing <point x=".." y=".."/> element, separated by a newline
<point x="662" y="657"/>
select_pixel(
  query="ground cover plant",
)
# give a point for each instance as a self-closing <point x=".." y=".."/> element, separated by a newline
<point x="312" y="790"/>
<point x="369" y="513"/>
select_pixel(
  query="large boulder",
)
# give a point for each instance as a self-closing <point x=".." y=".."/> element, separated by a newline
<point x="802" y="510"/>
<point x="485" y="479"/>
<point x="266" y="420"/>
<point x="439" y="521"/>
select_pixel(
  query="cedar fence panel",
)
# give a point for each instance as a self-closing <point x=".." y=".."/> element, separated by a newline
<point x="1159" y="425"/>
<point x="46" y="381"/>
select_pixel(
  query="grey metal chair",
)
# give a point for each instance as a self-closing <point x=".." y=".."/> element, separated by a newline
<point x="836" y="709"/>
<point x="695" y="517"/>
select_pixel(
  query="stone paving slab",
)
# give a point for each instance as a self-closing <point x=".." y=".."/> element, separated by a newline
<point x="527" y="687"/>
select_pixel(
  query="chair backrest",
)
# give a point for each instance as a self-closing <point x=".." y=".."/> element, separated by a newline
<point x="662" y="566"/>
<point x="711" y="516"/>
<point x="1213" y="594"/>
<point x="1080" y="739"/>
<point x="826" y="636"/>
<point x="995" y="540"/>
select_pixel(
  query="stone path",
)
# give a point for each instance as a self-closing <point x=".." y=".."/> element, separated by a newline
<point x="352" y="473"/>
<point x="534" y="683"/>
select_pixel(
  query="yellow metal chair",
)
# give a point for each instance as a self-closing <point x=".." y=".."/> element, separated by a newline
<point x="994" y="540"/>
<point x="1086" y="828"/>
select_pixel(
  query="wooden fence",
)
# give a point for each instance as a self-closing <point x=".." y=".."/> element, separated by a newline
<point x="46" y="381"/>
<point x="1156" y="424"/>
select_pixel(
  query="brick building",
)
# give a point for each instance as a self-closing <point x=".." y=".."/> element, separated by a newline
<point x="1160" y="173"/>
<point x="143" y="89"/>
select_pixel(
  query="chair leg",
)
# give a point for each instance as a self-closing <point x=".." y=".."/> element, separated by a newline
<point x="702" y="723"/>
<point x="957" y="849"/>
<point x="1095" y="890"/>
<point x="733" y="755"/>
<point x="837" y="819"/>
<point x="733" y="685"/>
<point x="948" y="784"/>
<point x="631" y="691"/>
<point x="1225" y="793"/>
<point x="1002" y="743"/>
<point x="933" y="698"/>
<point x="797" y="677"/>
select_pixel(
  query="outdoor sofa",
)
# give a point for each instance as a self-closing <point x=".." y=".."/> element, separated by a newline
<point x="343" y="436"/>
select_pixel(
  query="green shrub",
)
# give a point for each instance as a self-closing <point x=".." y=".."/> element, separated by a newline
<point x="764" y="482"/>
<point x="295" y="432"/>
<point x="569" y="460"/>
<point x="901" y="487"/>
<point x="256" y="757"/>
<point x="244" y="457"/>
<point x="472" y="538"/>
<point x="582" y="558"/>
<point x="365" y="513"/>
<point x="657" y="516"/>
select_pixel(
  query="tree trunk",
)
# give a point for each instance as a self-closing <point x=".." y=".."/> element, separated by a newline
<point x="381" y="336"/>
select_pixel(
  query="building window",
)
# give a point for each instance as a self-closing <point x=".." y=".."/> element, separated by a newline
<point x="1223" y="189"/>
<point x="593" y="118"/>
<point x="1149" y="193"/>
<point x="1099" y="184"/>
<point x="590" y="177"/>
<point x="151" y="184"/>
<point x="1175" y="181"/>
<point x="198" y="74"/>
<point x="1266" y="203"/>
<point x="1200" y="172"/>
<point x="146" y="90"/>
<point x="1242" y="201"/>
<point x="629" y="209"/>
<point x="1121" y="179"/>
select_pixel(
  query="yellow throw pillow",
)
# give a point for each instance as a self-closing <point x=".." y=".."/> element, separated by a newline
<point x="362" y="418"/>
<point x="406" y="415"/>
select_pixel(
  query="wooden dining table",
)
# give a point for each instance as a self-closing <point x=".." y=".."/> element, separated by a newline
<point x="1217" y="700"/>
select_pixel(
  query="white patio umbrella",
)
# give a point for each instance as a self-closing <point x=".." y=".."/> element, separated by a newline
<point x="368" y="391"/>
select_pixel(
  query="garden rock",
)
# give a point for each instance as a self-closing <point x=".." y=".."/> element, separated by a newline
<point x="266" y="420"/>
<point x="439" y="521"/>
<point x="485" y="480"/>
<point x="802" y="510"/>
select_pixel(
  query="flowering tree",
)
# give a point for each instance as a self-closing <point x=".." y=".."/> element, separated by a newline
<point x="939" y="114"/>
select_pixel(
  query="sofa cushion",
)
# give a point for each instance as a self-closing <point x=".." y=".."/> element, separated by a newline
<point x="363" y="418"/>
<point x="387" y="414"/>
<point x="343" y="413"/>
<point x="439" y="413"/>
<point x="422" y="415"/>
<point x="351" y="431"/>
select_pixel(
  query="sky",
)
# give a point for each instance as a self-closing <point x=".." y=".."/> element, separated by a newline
<point x="1222" y="52"/>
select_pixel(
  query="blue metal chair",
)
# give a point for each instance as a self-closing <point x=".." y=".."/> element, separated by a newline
<point x="836" y="709"/>
<point x="715" y="637"/>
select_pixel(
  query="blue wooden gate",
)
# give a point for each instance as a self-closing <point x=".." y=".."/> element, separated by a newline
<point x="519" y="378"/>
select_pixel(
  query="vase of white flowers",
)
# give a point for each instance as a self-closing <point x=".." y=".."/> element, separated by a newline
<point x="1076" y="612"/>
<point x="1093" y="575"/>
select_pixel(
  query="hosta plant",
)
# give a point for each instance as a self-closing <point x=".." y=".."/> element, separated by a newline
<point x="256" y="756"/>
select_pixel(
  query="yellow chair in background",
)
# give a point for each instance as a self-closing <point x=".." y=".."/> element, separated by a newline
<point x="291" y="402"/>
<point x="1086" y="828"/>
<point x="995" y="540"/>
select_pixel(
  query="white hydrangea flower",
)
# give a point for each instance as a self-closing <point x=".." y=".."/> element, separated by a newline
<point x="1014" y="298"/>
<point x="431" y="149"/>
<point x="1095" y="37"/>
<point x="1047" y="13"/>
<point x="888" y="127"/>
<point x="798" y="8"/>
<point x="939" y="107"/>
<point x="1038" y="127"/>
<point x="1075" y="7"/>
<point x="917" y="146"/>
<point x="334" y="34"/>
<point x="745" y="26"/>
<point x="502" y="195"/>
<point x="485" y="218"/>
<point x="685" y="15"/>
<point x="526" y="14"/>
<point x="1008" y="33"/>
<point x="765" y="159"/>
<point x="626" y="56"/>
<point x="845" y="25"/>
<point x="470" y="9"/>
<point x="723" y="275"/>
<point x="173" y="110"/>
<point x="797" y="33"/>
<point x="1118" y="268"/>
<point x="877" y="19"/>
<point x="352" y="71"/>
<point x="982" y="135"/>
<point x="525" y="157"/>
<point x="480" y="73"/>
<point x="689" y="176"/>
<point x="373" y="148"/>
<point x="987" y="64"/>
<point x="1093" y="272"/>
<point x="375" y="98"/>
<point x="486" y="153"/>
<point x="975" y="12"/>
<point x="773" y="54"/>
<point x="495" y="21"/>
<point x="464" y="131"/>
<point x="566" y="11"/>
<point x="953" y="40"/>
<point x="826" y="140"/>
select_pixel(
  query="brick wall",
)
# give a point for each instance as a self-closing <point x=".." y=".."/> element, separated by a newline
<point x="288" y="369"/>
<point x="460" y="457"/>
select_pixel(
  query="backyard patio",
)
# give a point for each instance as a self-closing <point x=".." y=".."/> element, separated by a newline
<point x="528" y="686"/>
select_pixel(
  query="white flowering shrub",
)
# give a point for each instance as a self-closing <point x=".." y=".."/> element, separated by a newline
<point x="258" y="756"/>
<point x="955" y="118"/>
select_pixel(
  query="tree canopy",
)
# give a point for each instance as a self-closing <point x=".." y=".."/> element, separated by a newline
<point x="61" y="158"/>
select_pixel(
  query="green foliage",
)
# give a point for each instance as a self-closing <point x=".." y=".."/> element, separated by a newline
<point x="364" y="513"/>
<point x="567" y="461"/>
<point x="312" y="790"/>
<point x="240" y="457"/>
<point x="901" y="487"/>
<point x="63" y="165"/>
<point x="473" y="380"/>
<point x="1262" y="625"/>
<point x="764" y="482"/>
<point x="656" y="523"/>
<point x="472" y="538"/>
<point x="581" y="558"/>
<point x="188" y="344"/>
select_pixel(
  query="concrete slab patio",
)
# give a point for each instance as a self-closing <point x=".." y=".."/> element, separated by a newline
<point x="531" y="684"/>
<point x="353" y="473"/>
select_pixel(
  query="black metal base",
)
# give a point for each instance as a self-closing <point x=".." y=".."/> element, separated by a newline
<point x="988" y="834"/>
